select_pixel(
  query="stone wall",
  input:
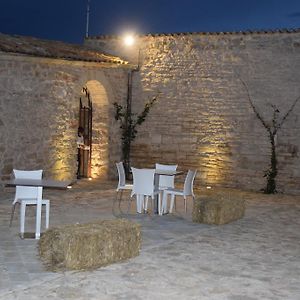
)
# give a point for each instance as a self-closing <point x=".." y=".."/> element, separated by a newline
<point x="203" y="118"/>
<point x="39" y="108"/>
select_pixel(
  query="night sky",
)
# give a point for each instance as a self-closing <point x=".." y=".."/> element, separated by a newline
<point x="65" y="20"/>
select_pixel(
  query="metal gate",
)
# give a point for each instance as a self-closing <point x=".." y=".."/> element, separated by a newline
<point x="85" y="122"/>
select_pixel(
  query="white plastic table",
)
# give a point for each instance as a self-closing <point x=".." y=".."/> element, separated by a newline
<point x="40" y="184"/>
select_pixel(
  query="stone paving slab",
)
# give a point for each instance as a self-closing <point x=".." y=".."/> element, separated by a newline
<point x="257" y="257"/>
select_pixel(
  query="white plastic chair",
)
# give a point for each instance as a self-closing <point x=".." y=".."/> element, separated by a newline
<point x="27" y="196"/>
<point x="166" y="181"/>
<point x="143" y="186"/>
<point x="187" y="191"/>
<point x="122" y="185"/>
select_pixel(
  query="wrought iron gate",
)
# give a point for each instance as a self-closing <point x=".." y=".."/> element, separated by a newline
<point x="85" y="122"/>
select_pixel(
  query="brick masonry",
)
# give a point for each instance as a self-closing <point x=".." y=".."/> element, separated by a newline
<point x="203" y="119"/>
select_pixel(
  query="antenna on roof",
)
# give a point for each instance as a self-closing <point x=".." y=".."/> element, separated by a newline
<point x="87" y="18"/>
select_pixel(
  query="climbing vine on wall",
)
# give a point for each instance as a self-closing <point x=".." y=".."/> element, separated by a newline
<point x="128" y="125"/>
<point x="272" y="130"/>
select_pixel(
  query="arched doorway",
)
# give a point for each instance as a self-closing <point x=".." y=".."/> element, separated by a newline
<point x="95" y="110"/>
<point x="84" y="140"/>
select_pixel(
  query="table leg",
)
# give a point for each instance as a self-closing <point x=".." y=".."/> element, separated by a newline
<point x="38" y="213"/>
<point x="139" y="203"/>
<point x="156" y="187"/>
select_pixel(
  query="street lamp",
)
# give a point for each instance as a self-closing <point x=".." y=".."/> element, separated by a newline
<point x="129" y="40"/>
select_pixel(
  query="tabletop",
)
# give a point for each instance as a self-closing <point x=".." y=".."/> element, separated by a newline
<point x="46" y="183"/>
<point x="168" y="172"/>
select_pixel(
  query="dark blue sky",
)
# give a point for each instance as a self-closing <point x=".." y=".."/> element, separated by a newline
<point x="66" y="19"/>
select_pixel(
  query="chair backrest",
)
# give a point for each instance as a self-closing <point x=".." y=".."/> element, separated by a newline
<point x="189" y="182"/>
<point x="121" y="173"/>
<point x="25" y="192"/>
<point x="143" y="181"/>
<point x="166" y="181"/>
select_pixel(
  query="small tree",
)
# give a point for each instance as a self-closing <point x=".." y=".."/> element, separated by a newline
<point x="272" y="130"/>
<point x="129" y="122"/>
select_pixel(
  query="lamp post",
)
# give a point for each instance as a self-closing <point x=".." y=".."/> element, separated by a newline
<point x="129" y="41"/>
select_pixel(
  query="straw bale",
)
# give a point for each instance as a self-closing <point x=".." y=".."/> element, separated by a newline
<point x="92" y="245"/>
<point x="218" y="208"/>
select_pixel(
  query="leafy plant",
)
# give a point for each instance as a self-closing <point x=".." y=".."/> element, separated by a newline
<point x="129" y="123"/>
<point x="272" y="130"/>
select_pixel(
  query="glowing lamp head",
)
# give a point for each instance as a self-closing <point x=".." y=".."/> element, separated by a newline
<point x="129" y="40"/>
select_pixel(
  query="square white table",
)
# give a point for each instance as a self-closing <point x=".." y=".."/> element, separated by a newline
<point x="40" y="184"/>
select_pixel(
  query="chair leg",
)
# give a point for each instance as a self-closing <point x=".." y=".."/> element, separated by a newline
<point x="185" y="204"/>
<point x="114" y="203"/>
<point x="12" y="214"/>
<point x="137" y="198"/>
<point x="164" y="205"/>
<point x="139" y="203"/>
<point x="129" y="205"/>
<point x="47" y="214"/>
<point x="22" y="219"/>
<point x="120" y="199"/>
<point x="172" y="202"/>
<point x="160" y="205"/>
<point x="161" y="201"/>
<point x="146" y="204"/>
<point x="166" y="210"/>
<point x="142" y="203"/>
<point x="152" y="205"/>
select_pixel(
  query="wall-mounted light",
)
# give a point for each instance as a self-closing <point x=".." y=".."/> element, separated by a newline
<point x="129" y="39"/>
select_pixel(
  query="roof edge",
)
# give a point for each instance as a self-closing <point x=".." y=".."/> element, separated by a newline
<point x="243" y="32"/>
<point x="68" y="59"/>
<point x="32" y="46"/>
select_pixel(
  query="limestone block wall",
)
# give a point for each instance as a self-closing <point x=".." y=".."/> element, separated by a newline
<point x="203" y="119"/>
<point x="39" y="109"/>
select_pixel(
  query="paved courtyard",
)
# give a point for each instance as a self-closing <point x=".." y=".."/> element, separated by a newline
<point x="257" y="257"/>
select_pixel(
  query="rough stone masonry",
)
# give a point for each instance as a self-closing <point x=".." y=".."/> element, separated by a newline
<point x="40" y="87"/>
<point x="203" y="119"/>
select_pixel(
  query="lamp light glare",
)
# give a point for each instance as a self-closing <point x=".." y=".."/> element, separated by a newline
<point x="208" y="187"/>
<point x="129" y="40"/>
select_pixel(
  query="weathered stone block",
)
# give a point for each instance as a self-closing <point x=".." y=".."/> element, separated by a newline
<point x="92" y="245"/>
<point x="218" y="209"/>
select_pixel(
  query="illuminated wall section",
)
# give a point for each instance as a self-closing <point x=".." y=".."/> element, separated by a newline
<point x="100" y="159"/>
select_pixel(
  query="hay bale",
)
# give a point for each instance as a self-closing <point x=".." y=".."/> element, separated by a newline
<point x="87" y="246"/>
<point x="218" y="209"/>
